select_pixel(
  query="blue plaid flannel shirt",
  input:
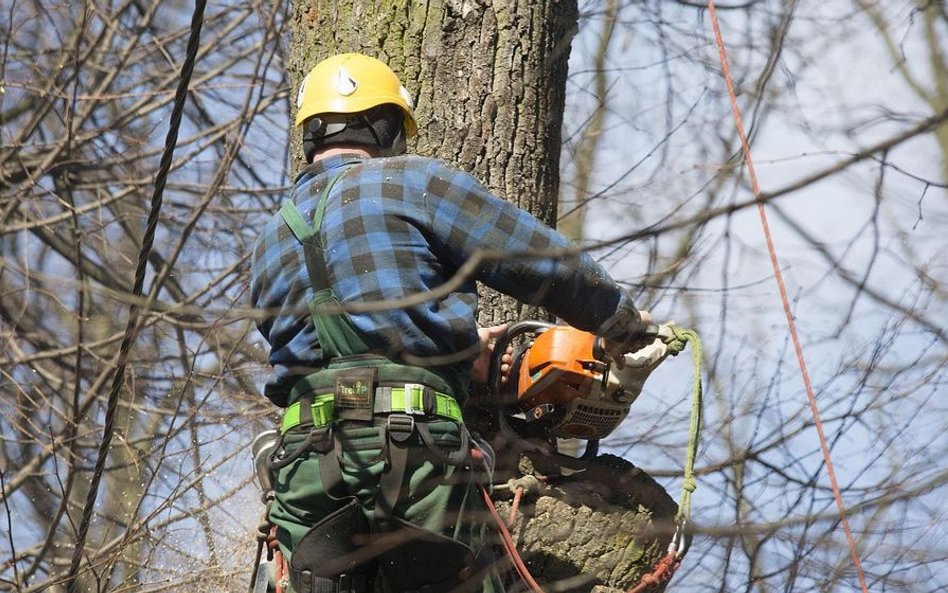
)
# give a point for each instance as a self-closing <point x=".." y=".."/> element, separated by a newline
<point x="400" y="226"/>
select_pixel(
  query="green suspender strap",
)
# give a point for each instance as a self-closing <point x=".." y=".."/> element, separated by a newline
<point x="398" y="384"/>
<point x="336" y="335"/>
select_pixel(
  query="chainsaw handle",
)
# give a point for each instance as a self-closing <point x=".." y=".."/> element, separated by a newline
<point x="652" y="330"/>
<point x="606" y="348"/>
<point x="500" y="347"/>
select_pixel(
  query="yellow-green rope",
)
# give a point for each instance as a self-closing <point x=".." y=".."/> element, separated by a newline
<point x="676" y="343"/>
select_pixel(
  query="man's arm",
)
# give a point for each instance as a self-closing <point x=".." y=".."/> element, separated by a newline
<point x="467" y="219"/>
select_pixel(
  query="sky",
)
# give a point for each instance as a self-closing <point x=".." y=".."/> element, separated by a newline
<point x="834" y="91"/>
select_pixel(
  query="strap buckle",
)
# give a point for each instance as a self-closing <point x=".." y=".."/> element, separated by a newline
<point x="400" y="427"/>
<point x="411" y="391"/>
<point x="322" y="410"/>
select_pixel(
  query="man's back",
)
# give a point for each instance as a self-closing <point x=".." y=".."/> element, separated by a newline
<point x="402" y="226"/>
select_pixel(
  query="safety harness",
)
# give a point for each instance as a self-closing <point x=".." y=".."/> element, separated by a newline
<point x="367" y="389"/>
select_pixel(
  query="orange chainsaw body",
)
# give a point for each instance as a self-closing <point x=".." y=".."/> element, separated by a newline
<point x="559" y="367"/>
<point x="562" y="378"/>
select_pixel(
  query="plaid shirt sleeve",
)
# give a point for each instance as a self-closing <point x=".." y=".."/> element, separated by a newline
<point x="469" y="220"/>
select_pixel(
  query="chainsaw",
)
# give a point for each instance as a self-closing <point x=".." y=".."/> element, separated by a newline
<point x="562" y="385"/>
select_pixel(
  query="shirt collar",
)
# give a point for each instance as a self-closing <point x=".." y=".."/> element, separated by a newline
<point x="330" y="163"/>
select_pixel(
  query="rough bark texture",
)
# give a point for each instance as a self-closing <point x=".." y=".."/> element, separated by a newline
<point x="488" y="80"/>
<point x="604" y="527"/>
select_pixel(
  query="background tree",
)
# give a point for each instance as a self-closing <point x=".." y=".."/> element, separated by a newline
<point x="85" y="96"/>
<point x="850" y="164"/>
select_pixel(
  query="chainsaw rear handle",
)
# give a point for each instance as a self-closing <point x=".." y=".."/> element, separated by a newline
<point x="500" y="347"/>
<point x="652" y="330"/>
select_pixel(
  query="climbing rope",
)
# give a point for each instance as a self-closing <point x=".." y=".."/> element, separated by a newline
<point x="267" y="540"/>
<point x="510" y="546"/>
<point x="676" y="343"/>
<point x="675" y="340"/>
<point x="131" y="327"/>
<point x="755" y="187"/>
<point x="663" y="572"/>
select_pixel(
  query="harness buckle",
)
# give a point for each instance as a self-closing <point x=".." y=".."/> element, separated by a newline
<point x="411" y="390"/>
<point x="400" y="427"/>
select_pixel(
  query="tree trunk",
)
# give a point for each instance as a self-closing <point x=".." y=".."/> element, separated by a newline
<point x="489" y="82"/>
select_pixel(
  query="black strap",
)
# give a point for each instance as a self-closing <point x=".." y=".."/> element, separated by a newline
<point x="307" y="582"/>
<point x="277" y="462"/>
<point x="398" y="429"/>
<point x="346" y="583"/>
<point x="330" y="468"/>
<point x="458" y="458"/>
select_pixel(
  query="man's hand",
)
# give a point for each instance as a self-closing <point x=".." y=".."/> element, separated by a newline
<point x="482" y="364"/>
<point x="616" y="351"/>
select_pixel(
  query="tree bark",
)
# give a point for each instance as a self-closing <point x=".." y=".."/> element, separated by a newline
<point x="601" y="530"/>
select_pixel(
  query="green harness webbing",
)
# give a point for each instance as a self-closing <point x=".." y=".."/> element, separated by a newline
<point x="336" y="335"/>
<point x="412" y="399"/>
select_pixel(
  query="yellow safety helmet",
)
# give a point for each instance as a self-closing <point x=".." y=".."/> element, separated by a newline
<point x="351" y="83"/>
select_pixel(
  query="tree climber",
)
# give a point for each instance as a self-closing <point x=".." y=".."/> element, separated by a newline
<point x="374" y="473"/>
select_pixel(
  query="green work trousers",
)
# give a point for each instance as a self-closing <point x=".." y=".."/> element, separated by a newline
<point x="434" y="496"/>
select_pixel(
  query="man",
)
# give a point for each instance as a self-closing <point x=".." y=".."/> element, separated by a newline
<point x="374" y="339"/>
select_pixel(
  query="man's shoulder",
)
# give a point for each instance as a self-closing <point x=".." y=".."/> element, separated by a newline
<point x="414" y="163"/>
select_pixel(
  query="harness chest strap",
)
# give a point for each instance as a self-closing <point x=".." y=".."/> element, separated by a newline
<point x="413" y="399"/>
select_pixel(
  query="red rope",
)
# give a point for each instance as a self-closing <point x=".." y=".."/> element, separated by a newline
<point x="280" y="570"/>
<point x="514" y="507"/>
<point x="662" y="573"/>
<point x="278" y="558"/>
<point x="510" y="546"/>
<point x="755" y="187"/>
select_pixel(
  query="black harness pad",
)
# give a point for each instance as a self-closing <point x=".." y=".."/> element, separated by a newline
<point x="354" y="396"/>
<point x="333" y="549"/>
<point x="424" y="561"/>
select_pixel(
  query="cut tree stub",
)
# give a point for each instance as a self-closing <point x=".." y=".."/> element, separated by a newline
<point x="599" y="530"/>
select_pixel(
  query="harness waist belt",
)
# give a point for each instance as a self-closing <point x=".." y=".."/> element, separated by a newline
<point x="413" y="399"/>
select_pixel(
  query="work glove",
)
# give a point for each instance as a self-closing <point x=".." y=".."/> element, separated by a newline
<point x="630" y="370"/>
<point x="625" y="331"/>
